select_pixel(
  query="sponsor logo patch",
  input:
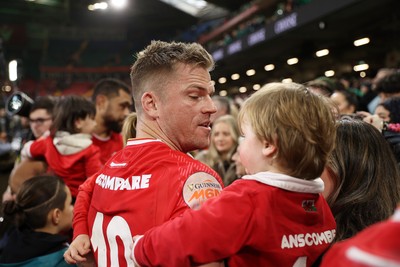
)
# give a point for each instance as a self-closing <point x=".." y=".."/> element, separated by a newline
<point x="117" y="165"/>
<point x="199" y="187"/>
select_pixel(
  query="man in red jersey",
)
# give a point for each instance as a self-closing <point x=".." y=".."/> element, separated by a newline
<point x="275" y="215"/>
<point x="113" y="102"/>
<point x="152" y="179"/>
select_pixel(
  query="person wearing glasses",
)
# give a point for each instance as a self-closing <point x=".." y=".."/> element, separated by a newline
<point x="40" y="119"/>
<point x="41" y="116"/>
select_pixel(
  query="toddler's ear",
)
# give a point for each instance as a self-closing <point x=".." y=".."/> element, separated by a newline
<point x="269" y="149"/>
<point x="78" y="124"/>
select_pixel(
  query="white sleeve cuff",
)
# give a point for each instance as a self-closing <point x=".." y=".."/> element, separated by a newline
<point x="133" y="249"/>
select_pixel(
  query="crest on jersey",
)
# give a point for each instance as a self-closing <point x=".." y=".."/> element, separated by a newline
<point x="309" y="205"/>
<point x="199" y="187"/>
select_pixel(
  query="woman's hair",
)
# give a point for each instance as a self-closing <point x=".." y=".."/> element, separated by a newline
<point x="35" y="199"/>
<point x="299" y="123"/>
<point x="392" y="104"/>
<point x="69" y="109"/>
<point x="213" y="156"/>
<point x="159" y="59"/>
<point x="366" y="178"/>
<point x="129" y="127"/>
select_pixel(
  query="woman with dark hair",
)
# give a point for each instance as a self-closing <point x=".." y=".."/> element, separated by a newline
<point x="362" y="179"/>
<point x="389" y="110"/>
<point x="345" y="101"/>
<point x="41" y="210"/>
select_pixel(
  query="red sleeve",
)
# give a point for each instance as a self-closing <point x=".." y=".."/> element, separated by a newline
<point x="37" y="148"/>
<point x="216" y="231"/>
<point x="92" y="161"/>
<point x="81" y="207"/>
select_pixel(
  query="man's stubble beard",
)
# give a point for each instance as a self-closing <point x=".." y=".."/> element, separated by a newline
<point x="112" y="124"/>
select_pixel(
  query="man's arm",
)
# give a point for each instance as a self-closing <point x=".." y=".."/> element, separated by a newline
<point x="81" y="207"/>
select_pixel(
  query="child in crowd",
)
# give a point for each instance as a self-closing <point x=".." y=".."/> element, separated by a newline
<point x="68" y="150"/>
<point x="41" y="210"/>
<point x="275" y="216"/>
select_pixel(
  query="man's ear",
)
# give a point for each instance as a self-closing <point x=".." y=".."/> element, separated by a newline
<point x="101" y="102"/>
<point x="269" y="149"/>
<point x="149" y="104"/>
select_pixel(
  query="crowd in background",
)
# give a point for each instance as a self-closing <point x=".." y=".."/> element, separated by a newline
<point x="361" y="177"/>
<point x="47" y="153"/>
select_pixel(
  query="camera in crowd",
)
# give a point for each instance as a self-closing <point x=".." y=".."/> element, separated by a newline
<point x="19" y="103"/>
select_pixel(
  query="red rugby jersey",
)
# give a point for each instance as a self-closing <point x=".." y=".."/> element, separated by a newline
<point x="260" y="220"/>
<point x="142" y="186"/>
<point x="108" y="146"/>
<point x="74" y="169"/>
<point x="376" y="246"/>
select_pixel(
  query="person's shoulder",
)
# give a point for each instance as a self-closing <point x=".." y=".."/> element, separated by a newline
<point x="378" y="243"/>
<point x="55" y="259"/>
<point x="116" y="136"/>
<point x="40" y="141"/>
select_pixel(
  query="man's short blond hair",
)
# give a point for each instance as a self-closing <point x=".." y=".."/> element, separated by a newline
<point x="159" y="59"/>
<point x="300" y="123"/>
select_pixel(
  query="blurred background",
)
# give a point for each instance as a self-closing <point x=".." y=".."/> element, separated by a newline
<point x="56" y="47"/>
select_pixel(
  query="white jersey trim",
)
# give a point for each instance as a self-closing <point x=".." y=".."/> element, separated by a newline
<point x="287" y="182"/>
<point x="357" y="255"/>
<point x="396" y="215"/>
<point x="133" y="142"/>
<point x="135" y="241"/>
<point x="101" y="138"/>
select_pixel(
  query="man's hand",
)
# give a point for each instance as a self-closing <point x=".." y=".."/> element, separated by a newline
<point x="78" y="251"/>
<point x="374" y="120"/>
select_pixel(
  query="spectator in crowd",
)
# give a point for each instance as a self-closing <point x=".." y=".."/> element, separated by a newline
<point x="41" y="210"/>
<point x="224" y="141"/>
<point x="69" y="151"/>
<point x="389" y="110"/>
<point x="152" y="179"/>
<point x="41" y="116"/>
<point x="362" y="180"/>
<point x="386" y="118"/>
<point x="26" y="169"/>
<point x="129" y="127"/>
<point x="390" y="131"/>
<point x="224" y="107"/>
<point x="40" y="120"/>
<point x="321" y="86"/>
<point x="345" y="101"/>
<point x="371" y="98"/>
<point x="376" y="246"/>
<point x="113" y="102"/>
<point x="389" y="86"/>
<point x="276" y="207"/>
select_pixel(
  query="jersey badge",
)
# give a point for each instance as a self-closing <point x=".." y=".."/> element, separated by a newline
<point x="309" y="205"/>
<point x="199" y="187"/>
